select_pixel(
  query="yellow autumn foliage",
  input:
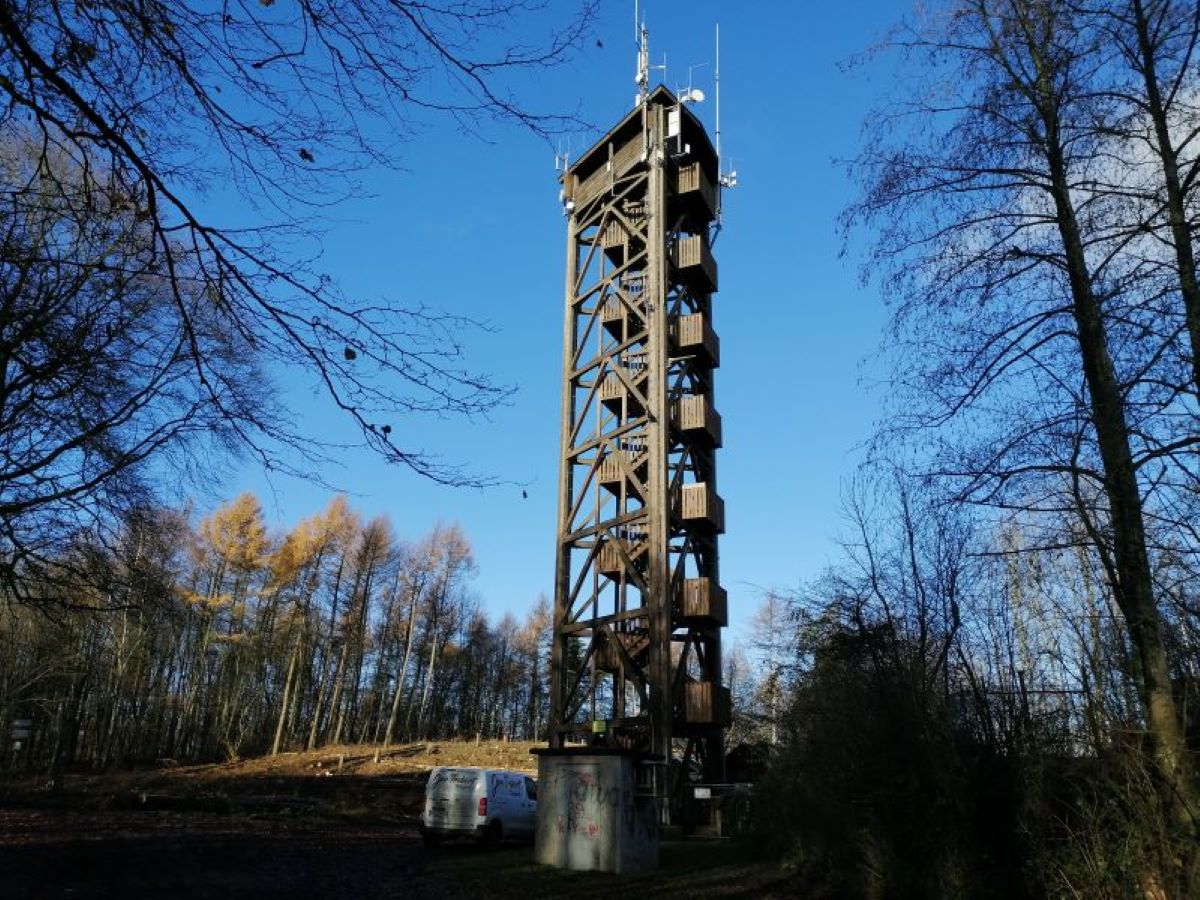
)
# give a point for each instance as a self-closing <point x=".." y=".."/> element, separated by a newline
<point x="332" y="528"/>
<point x="236" y="533"/>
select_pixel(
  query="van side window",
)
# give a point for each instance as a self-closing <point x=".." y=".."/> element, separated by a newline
<point x="530" y="788"/>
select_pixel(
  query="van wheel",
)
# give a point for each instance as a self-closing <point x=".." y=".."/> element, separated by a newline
<point x="493" y="834"/>
<point x="431" y="839"/>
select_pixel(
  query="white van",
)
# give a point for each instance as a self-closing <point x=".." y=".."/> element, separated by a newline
<point x="486" y="804"/>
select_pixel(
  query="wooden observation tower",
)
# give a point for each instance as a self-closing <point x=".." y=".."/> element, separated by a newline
<point x="639" y="608"/>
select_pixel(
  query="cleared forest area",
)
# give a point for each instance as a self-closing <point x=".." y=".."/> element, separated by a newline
<point x="343" y="780"/>
<point x="329" y="823"/>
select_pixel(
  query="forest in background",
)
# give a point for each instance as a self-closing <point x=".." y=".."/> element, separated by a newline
<point x="222" y="640"/>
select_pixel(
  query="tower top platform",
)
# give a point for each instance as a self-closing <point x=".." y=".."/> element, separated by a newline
<point x="692" y="134"/>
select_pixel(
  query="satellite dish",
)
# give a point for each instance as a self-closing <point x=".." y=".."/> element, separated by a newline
<point x="692" y="95"/>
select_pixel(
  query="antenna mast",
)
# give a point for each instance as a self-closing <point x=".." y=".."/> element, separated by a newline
<point x="642" y="36"/>
<point x="717" y="91"/>
<point x="724" y="179"/>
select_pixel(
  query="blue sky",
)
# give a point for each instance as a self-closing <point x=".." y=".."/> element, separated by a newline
<point x="472" y="224"/>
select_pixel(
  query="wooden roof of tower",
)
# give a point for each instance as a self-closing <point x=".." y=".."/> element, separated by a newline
<point x="630" y="128"/>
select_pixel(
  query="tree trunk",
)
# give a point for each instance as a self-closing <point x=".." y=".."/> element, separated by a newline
<point x="1135" y="586"/>
<point x="360" y="646"/>
<point x="433" y="655"/>
<point x="1168" y="155"/>
<point x="287" y="691"/>
<point x="403" y="671"/>
<point x="314" y="729"/>
<point x="335" y="704"/>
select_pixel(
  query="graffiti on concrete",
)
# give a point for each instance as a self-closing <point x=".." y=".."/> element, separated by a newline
<point x="590" y="804"/>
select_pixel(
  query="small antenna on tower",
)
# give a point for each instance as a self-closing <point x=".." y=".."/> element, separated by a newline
<point x="717" y="92"/>
<point x="724" y="179"/>
<point x="642" y="36"/>
<point x="691" y="94"/>
<point x="562" y="162"/>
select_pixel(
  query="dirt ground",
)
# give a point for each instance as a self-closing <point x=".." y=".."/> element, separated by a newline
<point x="191" y="855"/>
<point x="331" y="824"/>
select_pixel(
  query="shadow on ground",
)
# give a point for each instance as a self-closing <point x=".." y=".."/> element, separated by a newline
<point x="221" y="833"/>
<point x="59" y="853"/>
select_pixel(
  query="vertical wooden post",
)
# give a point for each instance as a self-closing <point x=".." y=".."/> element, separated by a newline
<point x="658" y="413"/>
<point x="562" y="565"/>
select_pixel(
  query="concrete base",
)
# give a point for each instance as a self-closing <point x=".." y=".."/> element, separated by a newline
<point x="590" y="814"/>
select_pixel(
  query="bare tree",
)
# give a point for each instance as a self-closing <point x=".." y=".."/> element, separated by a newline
<point x="125" y="114"/>
<point x="772" y="636"/>
<point x="1039" y="356"/>
<point x="1156" y="41"/>
<point x="96" y="379"/>
<point x="454" y="563"/>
